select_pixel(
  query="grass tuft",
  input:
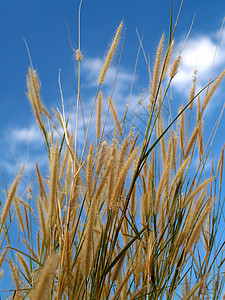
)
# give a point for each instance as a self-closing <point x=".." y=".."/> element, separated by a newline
<point x="130" y="213"/>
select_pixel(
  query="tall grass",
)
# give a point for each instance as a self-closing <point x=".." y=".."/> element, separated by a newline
<point x="124" y="218"/>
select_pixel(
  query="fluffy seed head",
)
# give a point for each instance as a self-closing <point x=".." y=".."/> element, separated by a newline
<point x="197" y="190"/>
<point x="192" y="141"/>
<point x="182" y="129"/>
<point x="115" y="117"/>
<point x="168" y="57"/>
<point x="78" y="55"/>
<point x="2" y="257"/>
<point x="42" y="288"/>
<point x="192" y="92"/>
<point x="10" y="196"/>
<point x="175" y="66"/>
<point x="157" y="68"/>
<point x="110" y="54"/>
<point x="212" y="90"/>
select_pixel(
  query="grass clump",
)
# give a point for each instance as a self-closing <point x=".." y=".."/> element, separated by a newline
<point x="124" y="218"/>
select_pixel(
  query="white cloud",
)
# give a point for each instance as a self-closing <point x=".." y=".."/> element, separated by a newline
<point x="13" y="164"/>
<point x="92" y="68"/>
<point x="24" y="135"/>
<point x="21" y="144"/>
<point x="199" y="52"/>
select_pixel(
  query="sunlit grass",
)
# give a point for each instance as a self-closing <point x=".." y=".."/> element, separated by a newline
<point x="124" y="217"/>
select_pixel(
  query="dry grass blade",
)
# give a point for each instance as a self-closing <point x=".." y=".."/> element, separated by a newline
<point x="99" y="115"/>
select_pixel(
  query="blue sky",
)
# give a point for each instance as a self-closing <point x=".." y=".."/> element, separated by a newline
<point x="43" y="25"/>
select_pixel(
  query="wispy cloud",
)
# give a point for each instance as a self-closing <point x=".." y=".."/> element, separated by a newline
<point x="21" y="145"/>
<point x="200" y="52"/>
<point x="25" y="135"/>
<point x="92" y="68"/>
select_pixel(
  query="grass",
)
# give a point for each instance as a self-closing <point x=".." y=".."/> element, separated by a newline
<point x="124" y="218"/>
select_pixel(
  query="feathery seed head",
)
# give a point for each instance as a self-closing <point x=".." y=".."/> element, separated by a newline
<point x="192" y="140"/>
<point x="2" y="257"/>
<point x="110" y="54"/>
<point x="182" y="128"/>
<point x="33" y="88"/>
<point x="168" y="57"/>
<point x="89" y="172"/>
<point x="78" y="55"/>
<point x="54" y="173"/>
<point x="212" y="90"/>
<point x="11" y="196"/>
<point x="196" y="191"/>
<point x="46" y="276"/>
<point x="192" y="92"/>
<point x="115" y="117"/>
<point x="180" y="172"/>
<point x="199" y="225"/>
<point x="175" y="66"/>
<point x="157" y="68"/>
